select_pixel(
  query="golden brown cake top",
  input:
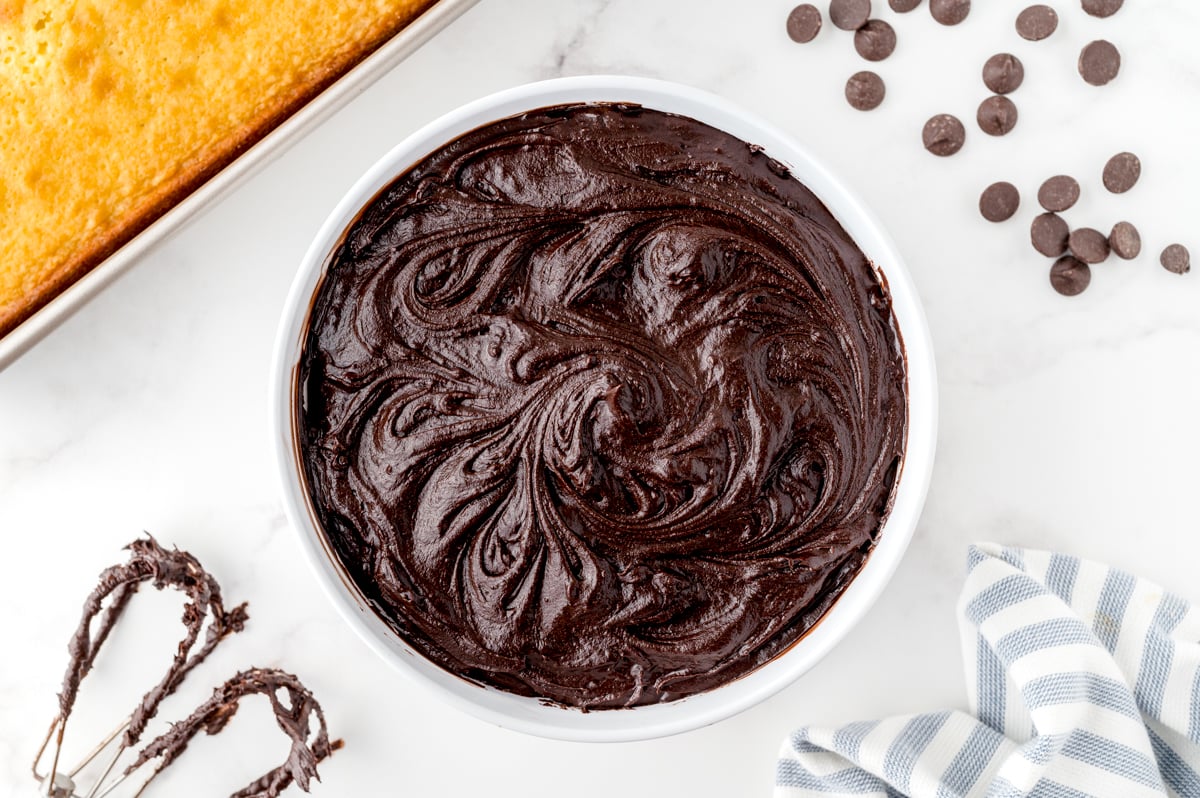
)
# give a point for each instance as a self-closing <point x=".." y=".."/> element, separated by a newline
<point x="114" y="110"/>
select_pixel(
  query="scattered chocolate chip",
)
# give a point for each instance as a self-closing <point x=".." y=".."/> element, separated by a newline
<point x="875" y="41"/>
<point x="944" y="135"/>
<point x="999" y="202"/>
<point x="997" y="116"/>
<point x="1102" y="8"/>
<point x="1122" y="171"/>
<point x="1099" y="62"/>
<point x="903" y="6"/>
<point x="865" y="91"/>
<point x="1176" y="258"/>
<point x="1058" y="193"/>
<point x="1125" y="241"/>
<point x="1003" y="73"/>
<point x="1049" y="234"/>
<point x="950" y="12"/>
<point x="1090" y="246"/>
<point x="804" y="23"/>
<point x="849" y="14"/>
<point x="1037" y="22"/>
<point x="1070" y="276"/>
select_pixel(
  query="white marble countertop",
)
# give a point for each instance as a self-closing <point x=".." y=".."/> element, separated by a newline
<point x="1065" y="423"/>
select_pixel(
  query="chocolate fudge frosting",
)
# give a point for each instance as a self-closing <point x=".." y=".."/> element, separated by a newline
<point x="599" y="405"/>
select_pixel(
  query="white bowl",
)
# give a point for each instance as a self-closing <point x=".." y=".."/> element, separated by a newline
<point x="658" y="720"/>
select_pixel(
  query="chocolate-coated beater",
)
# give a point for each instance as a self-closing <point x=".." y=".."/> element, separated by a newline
<point x="150" y="562"/>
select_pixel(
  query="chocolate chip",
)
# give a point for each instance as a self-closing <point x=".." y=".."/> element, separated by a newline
<point x="944" y="135"/>
<point x="849" y="14"/>
<point x="804" y="23"/>
<point x="903" y="6"/>
<point x="865" y="91"/>
<point x="999" y="202"/>
<point x="996" y="116"/>
<point x="1037" y="22"/>
<point x="1099" y="62"/>
<point x="950" y="12"/>
<point x="1122" y="171"/>
<point x="1003" y="73"/>
<point x="1176" y="258"/>
<point x="1090" y="246"/>
<point x="875" y="41"/>
<point x="1058" y="193"/>
<point x="1069" y="276"/>
<point x="1049" y="234"/>
<point x="1125" y="241"/>
<point x="1102" y="8"/>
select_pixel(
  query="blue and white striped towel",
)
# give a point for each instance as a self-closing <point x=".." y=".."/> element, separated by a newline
<point x="1086" y="682"/>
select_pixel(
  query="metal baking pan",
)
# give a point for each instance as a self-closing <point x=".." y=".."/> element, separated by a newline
<point x="320" y="108"/>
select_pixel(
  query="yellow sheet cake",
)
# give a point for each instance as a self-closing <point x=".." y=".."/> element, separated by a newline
<point x="111" y="111"/>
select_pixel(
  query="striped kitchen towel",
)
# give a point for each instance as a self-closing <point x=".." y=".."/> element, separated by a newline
<point x="1083" y="680"/>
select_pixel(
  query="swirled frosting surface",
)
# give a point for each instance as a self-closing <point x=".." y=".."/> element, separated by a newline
<point x="599" y="405"/>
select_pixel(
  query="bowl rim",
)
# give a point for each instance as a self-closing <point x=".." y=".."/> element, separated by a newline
<point x="657" y="720"/>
